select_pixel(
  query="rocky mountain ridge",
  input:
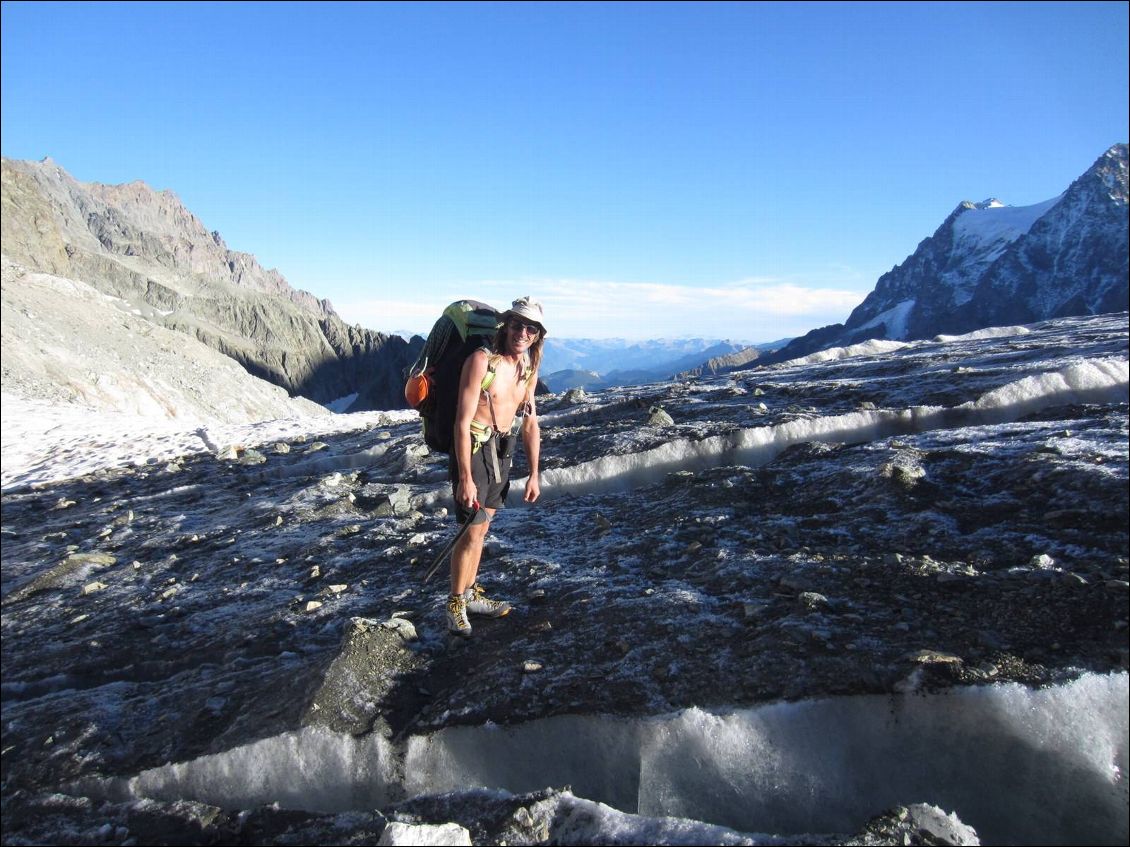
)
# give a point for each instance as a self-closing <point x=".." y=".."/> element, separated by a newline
<point x="991" y="265"/>
<point x="145" y="248"/>
<point x="720" y="364"/>
<point x="68" y="349"/>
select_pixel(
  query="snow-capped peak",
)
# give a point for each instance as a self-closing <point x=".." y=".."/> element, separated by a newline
<point x="992" y="222"/>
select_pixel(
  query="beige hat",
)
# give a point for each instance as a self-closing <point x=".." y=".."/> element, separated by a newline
<point x="528" y="308"/>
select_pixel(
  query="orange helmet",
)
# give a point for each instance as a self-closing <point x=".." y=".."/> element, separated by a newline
<point x="416" y="390"/>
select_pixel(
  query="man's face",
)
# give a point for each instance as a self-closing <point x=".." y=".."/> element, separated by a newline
<point x="522" y="333"/>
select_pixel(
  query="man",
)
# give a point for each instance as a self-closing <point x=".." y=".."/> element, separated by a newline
<point x="495" y="389"/>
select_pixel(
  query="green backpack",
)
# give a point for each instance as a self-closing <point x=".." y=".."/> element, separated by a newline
<point x="432" y="388"/>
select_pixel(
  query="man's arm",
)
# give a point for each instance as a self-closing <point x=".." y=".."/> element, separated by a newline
<point x="531" y="438"/>
<point x="470" y="386"/>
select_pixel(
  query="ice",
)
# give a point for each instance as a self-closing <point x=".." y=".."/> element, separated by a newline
<point x="1022" y="765"/>
<point x="989" y="332"/>
<point x="874" y="347"/>
<point x="598" y="756"/>
<point x="1018" y="764"/>
<point x="312" y="769"/>
<point x="1091" y="381"/>
<point x="424" y="835"/>
<point x="582" y="821"/>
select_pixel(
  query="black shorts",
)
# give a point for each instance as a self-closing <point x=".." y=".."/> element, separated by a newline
<point x="491" y="492"/>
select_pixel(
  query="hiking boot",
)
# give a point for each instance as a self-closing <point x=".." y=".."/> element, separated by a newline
<point x="457" y="622"/>
<point x="479" y="604"/>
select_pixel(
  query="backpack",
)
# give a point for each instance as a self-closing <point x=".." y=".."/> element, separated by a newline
<point x="432" y="388"/>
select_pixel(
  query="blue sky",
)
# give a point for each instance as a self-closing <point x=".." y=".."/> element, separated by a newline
<point x="647" y="169"/>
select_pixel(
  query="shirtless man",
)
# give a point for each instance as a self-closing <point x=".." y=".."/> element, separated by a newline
<point x="484" y="447"/>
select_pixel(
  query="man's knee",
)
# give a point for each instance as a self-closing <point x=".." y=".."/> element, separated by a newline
<point x="479" y="527"/>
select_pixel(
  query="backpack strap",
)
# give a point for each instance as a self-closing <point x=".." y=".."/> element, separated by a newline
<point x="492" y="366"/>
<point x="481" y="434"/>
<point x="488" y="380"/>
<point x="525" y="374"/>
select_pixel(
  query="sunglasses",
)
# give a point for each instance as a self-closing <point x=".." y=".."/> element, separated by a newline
<point x="532" y="330"/>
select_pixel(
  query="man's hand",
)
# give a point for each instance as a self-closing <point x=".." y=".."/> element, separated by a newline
<point x="533" y="489"/>
<point x="468" y="493"/>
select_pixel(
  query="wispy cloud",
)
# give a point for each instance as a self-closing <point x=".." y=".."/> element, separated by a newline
<point x="755" y="309"/>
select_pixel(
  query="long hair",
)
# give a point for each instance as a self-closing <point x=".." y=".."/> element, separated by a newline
<point x="535" y="351"/>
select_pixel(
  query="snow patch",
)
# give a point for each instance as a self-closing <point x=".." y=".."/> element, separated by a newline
<point x="895" y="319"/>
<point x="998" y="224"/>
<point x="873" y="347"/>
<point x="342" y="403"/>
<point x="47" y="442"/>
<point x="988" y="332"/>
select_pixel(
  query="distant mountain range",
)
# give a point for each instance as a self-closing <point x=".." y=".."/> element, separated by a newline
<point x="149" y="296"/>
<point x="991" y="265"/>
<point x="597" y="363"/>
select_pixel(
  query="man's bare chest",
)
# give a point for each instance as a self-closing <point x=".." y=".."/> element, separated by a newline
<point x="507" y="389"/>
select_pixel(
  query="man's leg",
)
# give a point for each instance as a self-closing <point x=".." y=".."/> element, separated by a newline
<point x="467" y="554"/>
<point x="464" y="567"/>
<point x="465" y="598"/>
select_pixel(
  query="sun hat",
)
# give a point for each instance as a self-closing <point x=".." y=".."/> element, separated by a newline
<point x="528" y="308"/>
